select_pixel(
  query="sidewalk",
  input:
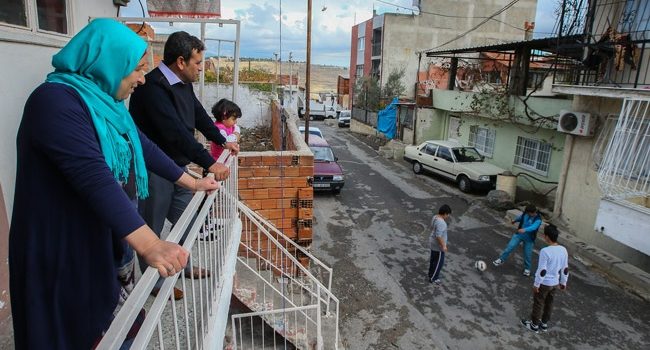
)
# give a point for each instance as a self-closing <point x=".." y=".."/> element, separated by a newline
<point x="618" y="271"/>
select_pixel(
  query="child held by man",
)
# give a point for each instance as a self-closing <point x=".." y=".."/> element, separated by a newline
<point x="225" y="113"/>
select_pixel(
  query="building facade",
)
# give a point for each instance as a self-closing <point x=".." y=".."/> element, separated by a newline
<point x="393" y="41"/>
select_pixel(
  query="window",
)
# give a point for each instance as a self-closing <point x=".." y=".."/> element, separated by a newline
<point x="444" y="153"/>
<point x="533" y="155"/>
<point x="52" y="15"/>
<point x="430" y="149"/>
<point x="359" y="72"/>
<point x="13" y="12"/>
<point x="482" y="139"/>
<point x="361" y="43"/>
<point x="49" y="15"/>
<point x="536" y="80"/>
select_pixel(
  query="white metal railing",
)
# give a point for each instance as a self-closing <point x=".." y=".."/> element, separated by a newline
<point x="275" y="327"/>
<point x="625" y="169"/>
<point x="273" y="272"/>
<point x="280" y="281"/>
<point x="213" y="233"/>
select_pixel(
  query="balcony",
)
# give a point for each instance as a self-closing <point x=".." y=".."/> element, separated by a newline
<point x="257" y="259"/>
<point x="612" y="57"/>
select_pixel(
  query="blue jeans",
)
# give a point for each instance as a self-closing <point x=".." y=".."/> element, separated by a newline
<point x="528" y="248"/>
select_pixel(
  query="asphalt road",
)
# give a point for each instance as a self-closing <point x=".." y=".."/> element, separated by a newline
<point x="373" y="235"/>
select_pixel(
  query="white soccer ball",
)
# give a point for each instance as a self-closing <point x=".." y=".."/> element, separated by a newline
<point x="480" y="265"/>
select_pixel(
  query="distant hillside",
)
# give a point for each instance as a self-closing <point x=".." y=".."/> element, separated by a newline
<point x="323" y="77"/>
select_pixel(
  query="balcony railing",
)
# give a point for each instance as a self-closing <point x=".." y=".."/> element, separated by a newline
<point x="283" y="285"/>
<point x="614" y="50"/>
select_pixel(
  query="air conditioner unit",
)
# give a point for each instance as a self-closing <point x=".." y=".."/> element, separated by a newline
<point x="576" y="123"/>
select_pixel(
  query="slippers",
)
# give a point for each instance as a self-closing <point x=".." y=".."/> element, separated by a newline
<point x="178" y="294"/>
<point x="197" y="273"/>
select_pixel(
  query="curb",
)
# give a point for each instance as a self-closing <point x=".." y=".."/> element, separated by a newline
<point x="620" y="272"/>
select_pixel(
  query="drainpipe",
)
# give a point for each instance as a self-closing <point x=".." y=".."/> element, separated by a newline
<point x="559" y="197"/>
<point x="415" y="97"/>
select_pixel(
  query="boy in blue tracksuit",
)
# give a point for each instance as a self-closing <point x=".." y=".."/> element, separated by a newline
<point x="529" y="223"/>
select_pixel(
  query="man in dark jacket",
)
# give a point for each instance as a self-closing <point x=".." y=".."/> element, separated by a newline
<point x="166" y="109"/>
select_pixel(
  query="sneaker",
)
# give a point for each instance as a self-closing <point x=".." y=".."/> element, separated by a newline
<point x="527" y="273"/>
<point x="530" y="325"/>
<point x="437" y="281"/>
<point x="543" y="327"/>
<point x="497" y="262"/>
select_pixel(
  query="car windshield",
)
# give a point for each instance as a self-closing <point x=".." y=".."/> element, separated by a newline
<point x="467" y="155"/>
<point x="322" y="154"/>
<point x="345" y="114"/>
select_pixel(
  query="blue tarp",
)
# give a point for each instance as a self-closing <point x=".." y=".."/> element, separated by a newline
<point x="387" y="119"/>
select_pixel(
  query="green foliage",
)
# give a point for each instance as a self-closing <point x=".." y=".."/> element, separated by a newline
<point x="268" y="87"/>
<point x="367" y="93"/>
<point x="394" y="86"/>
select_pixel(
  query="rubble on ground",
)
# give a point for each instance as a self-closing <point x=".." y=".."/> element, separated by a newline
<point x="256" y="139"/>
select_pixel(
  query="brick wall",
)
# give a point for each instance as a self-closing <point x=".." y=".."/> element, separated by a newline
<point x="277" y="184"/>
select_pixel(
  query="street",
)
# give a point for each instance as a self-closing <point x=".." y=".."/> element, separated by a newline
<point x="374" y="236"/>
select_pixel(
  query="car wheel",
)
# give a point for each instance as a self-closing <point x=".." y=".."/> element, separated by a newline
<point x="311" y="117"/>
<point x="463" y="184"/>
<point x="417" y="168"/>
<point x="336" y="191"/>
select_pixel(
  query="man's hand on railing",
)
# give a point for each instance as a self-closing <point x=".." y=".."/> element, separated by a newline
<point x="220" y="171"/>
<point x="233" y="147"/>
<point x="207" y="183"/>
<point x="167" y="257"/>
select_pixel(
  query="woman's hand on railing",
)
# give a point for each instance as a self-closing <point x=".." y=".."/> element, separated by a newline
<point x="167" y="257"/>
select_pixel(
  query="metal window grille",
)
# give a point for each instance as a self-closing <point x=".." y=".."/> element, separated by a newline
<point x="482" y="139"/>
<point x="533" y="155"/>
<point x="606" y="133"/>
<point x="625" y="169"/>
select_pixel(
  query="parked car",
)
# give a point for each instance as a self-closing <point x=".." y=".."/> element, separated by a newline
<point x="344" y="118"/>
<point x="450" y="159"/>
<point x="328" y="175"/>
<point x="312" y="131"/>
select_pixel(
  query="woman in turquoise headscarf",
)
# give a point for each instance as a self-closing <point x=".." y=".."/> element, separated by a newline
<point x="81" y="166"/>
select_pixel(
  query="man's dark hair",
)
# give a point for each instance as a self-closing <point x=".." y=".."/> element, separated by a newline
<point x="530" y="209"/>
<point x="181" y="44"/>
<point x="224" y="109"/>
<point x="551" y="232"/>
<point x="444" y="209"/>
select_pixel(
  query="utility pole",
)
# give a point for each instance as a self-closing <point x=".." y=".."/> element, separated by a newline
<point x="308" y="72"/>
<point x="290" y="78"/>
<point x="275" y="64"/>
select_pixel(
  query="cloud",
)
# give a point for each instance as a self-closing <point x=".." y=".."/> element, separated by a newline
<point x="331" y="29"/>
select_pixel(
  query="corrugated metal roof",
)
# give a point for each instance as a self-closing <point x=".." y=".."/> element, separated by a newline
<point x="568" y="45"/>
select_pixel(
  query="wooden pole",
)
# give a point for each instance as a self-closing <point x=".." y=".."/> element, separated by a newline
<point x="308" y="72"/>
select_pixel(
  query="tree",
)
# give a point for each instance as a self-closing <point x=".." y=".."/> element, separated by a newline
<point x="367" y="93"/>
<point x="394" y="86"/>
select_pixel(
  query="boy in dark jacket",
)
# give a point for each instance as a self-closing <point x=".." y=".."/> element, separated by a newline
<point x="529" y="223"/>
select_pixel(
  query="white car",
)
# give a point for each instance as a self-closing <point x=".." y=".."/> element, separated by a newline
<point x="312" y="131"/>
<point x="454" y="161"/>
<point x="344" y="118"/>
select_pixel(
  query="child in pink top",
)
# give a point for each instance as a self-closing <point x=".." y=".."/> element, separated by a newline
<point x="226" y="114"/>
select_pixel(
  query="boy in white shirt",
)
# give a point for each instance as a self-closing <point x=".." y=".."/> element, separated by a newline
<point x="552" y="273"/>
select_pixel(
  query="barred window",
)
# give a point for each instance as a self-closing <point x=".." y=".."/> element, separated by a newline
<point x="482" y="139"/>
<point x="533" y="155"/>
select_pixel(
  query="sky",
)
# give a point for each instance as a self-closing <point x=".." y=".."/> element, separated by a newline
<point x="332" y="21"/>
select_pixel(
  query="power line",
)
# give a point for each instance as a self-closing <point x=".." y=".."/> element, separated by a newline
<point x="509" y="5"/>
<point x="454" y="16"/>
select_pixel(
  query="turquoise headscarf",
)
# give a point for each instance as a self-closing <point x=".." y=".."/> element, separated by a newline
<point x="94" y="63"/>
